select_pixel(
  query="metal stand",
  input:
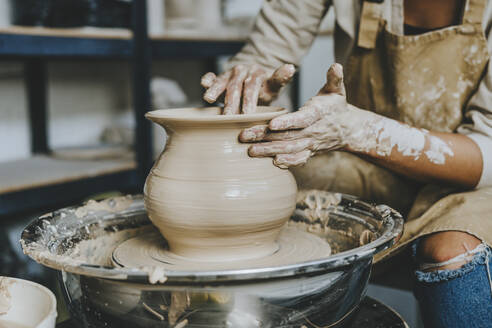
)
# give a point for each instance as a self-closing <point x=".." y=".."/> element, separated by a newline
<point x="141" y="89"/>
<point x="35" y="80"/>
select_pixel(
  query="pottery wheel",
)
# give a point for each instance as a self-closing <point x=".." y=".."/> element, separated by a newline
<point x="151" y="249"/>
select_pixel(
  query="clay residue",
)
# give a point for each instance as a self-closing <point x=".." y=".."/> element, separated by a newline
<point x="372" y="132"/>
<point x="95" y="251"/>
<point x="5" y="295"/>
<point x="156" y="274"/>
<point x="113" y="205"/>
<point x="72" y="238"/>
<point x="437" y="151"/>
<point x="384" y="135"/>
<point x="408" y="141"/>
<point x="471" y="56"/>
<point x="318" y="199"/>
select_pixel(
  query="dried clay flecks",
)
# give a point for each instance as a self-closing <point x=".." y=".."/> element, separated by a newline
<point x="4" y="295"/>
<point x="383" y="135"/>
<point x="438" y="149"/>
<point x="156" y="274"/>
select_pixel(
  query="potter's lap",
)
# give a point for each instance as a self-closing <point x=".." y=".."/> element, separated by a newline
<point x="346" y="173"/>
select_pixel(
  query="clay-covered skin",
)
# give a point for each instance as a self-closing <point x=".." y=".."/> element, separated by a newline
<point x="328" y="122"/>
<point x="209" y="199"/>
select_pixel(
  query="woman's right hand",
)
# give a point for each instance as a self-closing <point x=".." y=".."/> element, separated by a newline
<point x="251" y="83"/>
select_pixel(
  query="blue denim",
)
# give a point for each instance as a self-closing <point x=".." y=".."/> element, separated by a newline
<point x="460" y="298"/>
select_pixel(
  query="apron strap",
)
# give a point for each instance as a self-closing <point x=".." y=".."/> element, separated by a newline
<point x="474" y="10"/>
<point x="369" y="24"/>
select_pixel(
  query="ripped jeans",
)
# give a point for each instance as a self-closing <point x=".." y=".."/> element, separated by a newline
<point x="456" y="298"/>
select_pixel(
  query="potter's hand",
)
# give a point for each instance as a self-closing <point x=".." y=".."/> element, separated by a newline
<point x="249" y="82"/>
<point x="325" y="122"/>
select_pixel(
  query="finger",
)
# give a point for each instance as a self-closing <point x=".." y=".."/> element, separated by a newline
<point x="301" y="119"/>
<point x="334" y="81"/>
<point x="234" y="90"/>
<point x="287" y="160"/>
<point x="262" y="133"/>
<point x="285" y="135"/>
<point x="279" y="79"/>
<point x="255" y="133"/>
<point x="280" y="147"/>
<point x="217" y="87"/>
<point x="208" y="80"/>
<point x="251" y="92"/>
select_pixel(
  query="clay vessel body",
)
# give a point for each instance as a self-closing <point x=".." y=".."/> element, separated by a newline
<point x="208" y="198"/>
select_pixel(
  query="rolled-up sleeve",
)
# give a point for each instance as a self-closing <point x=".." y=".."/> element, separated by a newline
<point x="283" y="32"/>
<point x="479" y="111"/>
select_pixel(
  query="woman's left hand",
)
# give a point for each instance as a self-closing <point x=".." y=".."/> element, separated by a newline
<point x="326" y="122"/>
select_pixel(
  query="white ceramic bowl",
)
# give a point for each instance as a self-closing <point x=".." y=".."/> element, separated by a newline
<point x="29" y="304"/>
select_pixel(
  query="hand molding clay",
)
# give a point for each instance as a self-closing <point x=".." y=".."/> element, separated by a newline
<point x="208" y="198"/>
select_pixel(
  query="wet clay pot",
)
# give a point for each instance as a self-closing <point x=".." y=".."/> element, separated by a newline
<point x="209" y="199"/>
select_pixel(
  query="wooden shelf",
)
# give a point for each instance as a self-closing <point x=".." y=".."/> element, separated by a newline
<point x="81" y="32"/>
<point x="223" y="35"/>
<point x="123" y="34"/>
<point x="24" y="41"/>
<point x="43" y="180"/>
<point x="39" y="171"/>
<point x="83" y="42"/>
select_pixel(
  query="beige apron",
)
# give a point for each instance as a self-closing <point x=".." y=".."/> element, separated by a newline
<point x="425" y="81"/>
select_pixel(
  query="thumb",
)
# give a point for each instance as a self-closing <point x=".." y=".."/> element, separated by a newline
<point x="334" y="81"/>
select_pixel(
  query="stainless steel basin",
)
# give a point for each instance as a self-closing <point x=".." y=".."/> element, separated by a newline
<point x="79" y="242"/>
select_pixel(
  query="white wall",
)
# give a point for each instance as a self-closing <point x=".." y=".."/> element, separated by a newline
<point x="14" y="137"/>
<point x="317" y="61"/>
<point x="314" y="67"/>
<point x="84" y="97"/>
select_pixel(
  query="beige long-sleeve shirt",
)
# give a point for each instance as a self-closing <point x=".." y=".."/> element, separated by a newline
<point x="285" y="29"/>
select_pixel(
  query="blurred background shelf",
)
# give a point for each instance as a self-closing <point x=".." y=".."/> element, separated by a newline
<point x="43" y="170"/>
<point x="106" y="42"/>
<point x="79" y="32"/>
<point x="36" y="46"/>
<point x="44" y="181"/>
<point x="73" y="42"/>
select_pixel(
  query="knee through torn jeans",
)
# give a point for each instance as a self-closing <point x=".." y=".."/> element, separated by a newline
<point x="460" y="298"/>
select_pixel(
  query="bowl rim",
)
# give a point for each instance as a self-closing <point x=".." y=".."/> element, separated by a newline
<point x="211" y="115"/>
<point x="34" y="244"/>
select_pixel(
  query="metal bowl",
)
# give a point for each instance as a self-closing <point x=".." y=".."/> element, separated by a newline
<point x="320" y="293"/>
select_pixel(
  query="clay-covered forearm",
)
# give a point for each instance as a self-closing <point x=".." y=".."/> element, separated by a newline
<point x="283" y="32"/>
<point x="443" y="158"/>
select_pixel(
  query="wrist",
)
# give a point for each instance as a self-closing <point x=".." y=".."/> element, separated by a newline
<point x="362" y="133"/>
